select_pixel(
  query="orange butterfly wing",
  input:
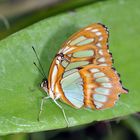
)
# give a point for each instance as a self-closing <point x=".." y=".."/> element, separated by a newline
<point x="94" y="38"/>
<point x="102" y="86"/>
<point x="84" y="62"/>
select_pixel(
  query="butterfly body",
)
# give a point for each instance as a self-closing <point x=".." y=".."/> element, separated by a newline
<point x="81" y="74"/>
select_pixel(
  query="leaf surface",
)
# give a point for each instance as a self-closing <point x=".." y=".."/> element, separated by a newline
<point x="20" y="94"/>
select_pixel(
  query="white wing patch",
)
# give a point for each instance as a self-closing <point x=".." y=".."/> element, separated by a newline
<point x="80" y="41"/>
<point x="107" y="85"/>
<point x="86" y="41"/>
<point x="98" y="104"/>
<point x="69" y="72"/>
<point x="76" y="64"/>
<point x="77" y="40"/>
<point x="73" y="89"/>
<point x="94" y="30"/>
<point x="99" y="98"/>
<point x="99" y="45"/>
<point x="102" y="59"/>
<point x="94" y="70"/>
<point x="84" y="53"/>
<point x="102" y="79"/>
<point x="104" y="91"/>
<point x="99" y="74"/>
<point x="54" y="73"/>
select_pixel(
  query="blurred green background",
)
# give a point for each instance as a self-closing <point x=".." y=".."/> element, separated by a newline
<point x="18" y="14"/>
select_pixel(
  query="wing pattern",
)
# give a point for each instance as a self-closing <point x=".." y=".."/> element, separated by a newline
<point x="89" y="44"/>
<point x="84" y="76"/>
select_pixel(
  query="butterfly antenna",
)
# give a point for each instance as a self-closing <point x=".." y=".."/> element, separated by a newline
<point x="40" y="70"/>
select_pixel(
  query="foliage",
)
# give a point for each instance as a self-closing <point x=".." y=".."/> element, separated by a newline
<point x="20" y="94"/>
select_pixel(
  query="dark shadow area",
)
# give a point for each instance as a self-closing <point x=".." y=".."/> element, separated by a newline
<point x="98" y="131"/>
<point x="22" y="20"/>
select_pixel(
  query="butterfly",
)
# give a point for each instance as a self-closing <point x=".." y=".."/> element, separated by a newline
<point x="81" y="74"/>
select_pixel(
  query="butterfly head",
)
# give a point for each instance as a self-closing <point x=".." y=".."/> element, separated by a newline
<point x="44" y="85"/>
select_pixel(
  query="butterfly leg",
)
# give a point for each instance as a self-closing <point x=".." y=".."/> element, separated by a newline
<point x="41" y="106"/>
<point x="61" y="109"/>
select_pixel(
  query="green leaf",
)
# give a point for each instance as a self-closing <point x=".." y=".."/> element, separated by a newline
<point x="20" y="94"/>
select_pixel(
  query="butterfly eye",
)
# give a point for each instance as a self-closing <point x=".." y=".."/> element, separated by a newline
<point x="60" y="56"/>
<point x="44" y="83"/>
